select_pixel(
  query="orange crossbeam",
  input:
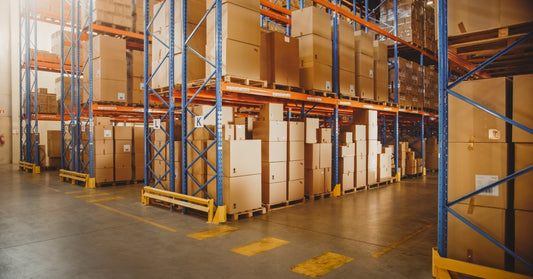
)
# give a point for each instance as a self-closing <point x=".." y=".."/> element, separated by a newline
<point x="275" y="16"/>
<point x="276" y="7"/>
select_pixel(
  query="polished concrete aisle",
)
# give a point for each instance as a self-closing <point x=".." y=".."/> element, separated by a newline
<point x="50" y="229"/>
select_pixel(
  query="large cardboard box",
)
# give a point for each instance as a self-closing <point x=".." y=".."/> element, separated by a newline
<point x="346" y="47"/>
<point x="123" y="132"/>
<point x="312" y="155"/>
<point x="110" y="68"/>
<point x="372" y="154"/>
<point x="238" y="24"/>
<point x="271" y="112"/>
<point x="380" y="51"/>
<point x="311" y="20"/>
<point x="523" y="192"/>
<point x="296" y="131"/>
<point x="360" y="178"/>
<point x="238" y="59"/>
<point x="363" y="43"/>
<point x="240" y="158"/>
<point x="360" y="163"/>
<point x="273" y="151"/>
<point x="359" y="132"/>
<point x="467" y="245"/>
<point x="361" y="148"/>
<point x="296" y="151"/>
<point x="347" y="150"/>
<point x="347" y="83"/>
<point x="364" y="66"/>
<point x="327" y="180"/>
<point x="270" y="130"/>
<point x="347" y="180"/>
<point x="371" y="176"/>
<point x="522" y="100"/>
<point x="249" y="4"/>
<point x="295" y="170"/>
<point x="241" y="193"/>
<point x="523" y="244"/>
<point x="325" y="155"/>
<point x="108" y="90"/>
<point x="364" y="87"/>
<point x="109" y="47"/>
<point x="473" y="166"/>
<point x="323" y="135"/>
<point x="101" y="161"/>
<point x="274" y="172"/>
<point x="102" y="175"/>
<point x="273" y="193"/>
<point x="469" y="124"/>
<point x="279" y="59"/>
<point x="316" y="77"/>
<point x="346" y="165"/>
<point x="315" y="49"/>
<point x="295" y="189"/>
<point x="53" y="143"/>
<point x="384" y="167"/>
<point x="311" y="124"/>
<point x="314" y="181"/>
<point x="370" y="119"/>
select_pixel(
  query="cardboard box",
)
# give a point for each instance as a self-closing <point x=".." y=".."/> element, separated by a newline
<point x="360" y="162"/>
<point x="102" y="162"/>
<point x="273" y="151"/>
<point x="314" y="49"/>
<point x="240" y="158"/>
<point x="53" y="143"/>
<point x="271" y="112"/>
<point x="469" y="124"/>
<point x="327" y="180"/>
<point x="270" y="130"/>
<point x="123" y="133"/>
<point x="474" y="166"/>
<point x="364" y="87"/>
<point x="280" y="59"/>
<point x="523" y="245"/>
<point x="238" y="59"/>
<point x="108" y="90"/>
<point x="346" y="137"/>
<point x="361" y="148"/>
<point x="311" y="125"/>
<point x="384" y="167"/>
<point x="296" y="131"/>
<point x="295" y="189"/>
<point x="371" y="176"/>
<point x="102" y="175"/>
<point x="364" y="66"/>
<point x="347" y="150"/>
<point x="325" y="155"/>
<point x="346" y="164"/>
<point x="248" y="4"/>
<point x="380" y="51"/>
<point x="123" y="174"/>
<point x="314" y="182"/>
<point x="228" y="132"/>
<point x="240" y="132"/>
<point x="522" y="98"/>
<point x="323" y="135"/>
<point x="467" y="245"/>
<point x="346" y="83"/>
<point x="360" y="178"/>
<point x="109" y="47"/>
<point x="359" y="132"/>
<point x="363" y="43"/>
<point x="238" y="24"/>
<point x="296" y="151"/>
<point x="370" y="119"/>
<point x="523" y="192"/>
<point x="273" y="172"/>
<point x="311" y="20"/>
<point x="312" y="155"/>
<point x="109" y="68"/>
<point x="347" y="181"/>
<point x="241" y="193"/>
<point x="316" y="77"/>
<point x="273" y="193"/>
<point x="295" y="170"/>
<point x="372" y="154"/>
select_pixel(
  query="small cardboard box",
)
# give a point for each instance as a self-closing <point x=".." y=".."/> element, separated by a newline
<point x="295" y="170"/>
<point x="311" y="20"/>
<point x="273" y="172"/>
<point x="323" y="135"/>
<point x="314" y="181"/>
<point x="270" y="130"/>
<point x="311" y="125"/>
<point x="325" y="155"/>
<point x="296" y="151"/>
<point x="295" y="189"/>
<point x="271" y="112"/>
<point x="296" y="131"/>
<point x="273" y="151"/>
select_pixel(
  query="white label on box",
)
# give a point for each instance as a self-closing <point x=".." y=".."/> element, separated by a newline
<point x="108" y="134"/>
<point x="83" y="128"/>
<point x="371" y="73"/>
<point x="287" y="39"/>
<point x="484" y="180"/>
<point x="494" y="134"/>
<point x="328" y="85"/>
<point x="127" y="148"/>
<point x="98" y="73"/>
<point x="141" y="85"/>
<point x="121" y="96"/>
<point x="199" y="121"/>
<point x="157" y="123"/>
<point x="352" y="89"/>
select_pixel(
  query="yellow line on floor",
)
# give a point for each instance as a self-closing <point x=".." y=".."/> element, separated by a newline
<point x="106" y="199"/>
<point x="399" y="242"/>
<point x="53" y="189"/>
<point x="136" y="217"/>
<point x="321" y="265"/>
<point x="259" y="246"/>
<point x="76" y="192"/>
<point x="221" y="230"/>
<point x="92" y="195"/>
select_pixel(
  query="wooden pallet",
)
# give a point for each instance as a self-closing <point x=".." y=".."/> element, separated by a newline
<point x="350" y="98"/>
<point x="245" y="81"/>
<point x="320" y="93"/>
<point x="108" y="103"/>
<point x="247" y="214"/>
<point x="388" y="104"/>
<point x="115" y="183"/>
<point x="318" y="196"/>
<point x="379" y="184"/>
<point x="286" y="88"/>
<point x="349" y="191"/>
<point x="361" y="188"/>
<point x="112" y="25"/>
<point x="435" y="170"/>
<point x="281" y="205"/>
<point x="369" y="101"/>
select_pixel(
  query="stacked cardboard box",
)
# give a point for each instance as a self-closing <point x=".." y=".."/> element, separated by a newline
<point x="248" y="123"/>
<point x="279" y="59"/>
<point x="409" y="83"/>
<point x="364" y="65"/>
<point x="138" y="16"/>
<point x="381" y="72"/>
<point x="384" y="164"/>
<point x="370" y="119"/>
<point x="410" y="20"/>
<point x="53" y="144"/>
<point x="123" y="153"/>
<point x="346" y="59"/>
<point x="359" y="136"/>
<point x="411" y="164"/>
<point x="56" y="43"/>
<point x="431" y="88"/>
<point x="315" y="176"/>
<point x="347" y="161"/>
<point x="103" y="148"/>
<point x="478" y="153"/>
<point x="432" y="154"/>
<point x="46" y="102"/>
<point x="135" y="77"/>
<point x="313" y="28"/>
<point x="272" y="131"/>
<point x="295" y="158"/>
<point x="138" y="153"/>
<point x="117" y="13"/>
<point x="241" y="39"/>
<point x="430" y="43"/>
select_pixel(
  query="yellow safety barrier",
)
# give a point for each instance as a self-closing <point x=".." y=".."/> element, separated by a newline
<point x="26" y="166"/>
<point x="442" y="266"/>
<point x="196" y="203"/>
<point x="77" y="176"/>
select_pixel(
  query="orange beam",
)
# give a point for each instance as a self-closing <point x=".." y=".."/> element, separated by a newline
<point x="275" y="16"/>
<point x="276" y="7"/>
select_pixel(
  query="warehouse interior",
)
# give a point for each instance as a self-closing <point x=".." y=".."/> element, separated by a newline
<point x="303" y="138"/>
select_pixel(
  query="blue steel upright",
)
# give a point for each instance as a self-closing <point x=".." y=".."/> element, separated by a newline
<point x="396" y="100"/>
<point x="336" y="90"/>
<point x="34" y="121"/>
<point x="171" y="107"/>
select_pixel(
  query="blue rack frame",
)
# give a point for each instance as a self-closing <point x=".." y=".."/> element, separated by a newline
<point x="445" y="90"/>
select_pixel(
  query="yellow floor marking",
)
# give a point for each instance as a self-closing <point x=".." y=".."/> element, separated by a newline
<point x="76" y="192"/>
<point x="399" y="242"/>
<point x="221" y="230"/>
<point x="106" y="199"/>
<point x="136" y="217"/>
<point x="260" y="246"/>
<point x="91" y="195"/>
<point x="321" y="265"/>
<point x="53" y="189"/>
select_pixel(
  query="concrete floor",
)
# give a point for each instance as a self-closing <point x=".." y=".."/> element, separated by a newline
<point x="46" y="231"/>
